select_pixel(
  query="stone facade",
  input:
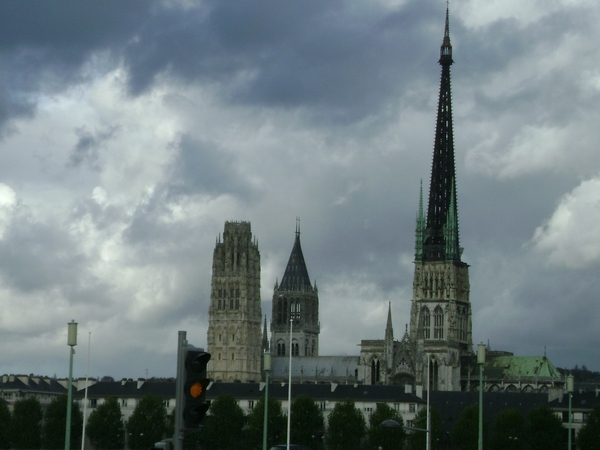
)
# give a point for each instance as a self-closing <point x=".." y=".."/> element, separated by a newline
<point x="234" y="331"/>
<point x="295" y="299"/>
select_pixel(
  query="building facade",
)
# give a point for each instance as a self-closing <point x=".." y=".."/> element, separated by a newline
<point x="234" y="330"/>
<point x="295" y="300"/>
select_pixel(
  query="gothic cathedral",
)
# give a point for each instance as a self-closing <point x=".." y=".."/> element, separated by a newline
<point x="440" y="320"/>
<point x="234" y="333"/>
<point x="295" y="300"/>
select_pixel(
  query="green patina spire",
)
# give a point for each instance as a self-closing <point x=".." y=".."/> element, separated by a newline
<point x="420" y="231"/>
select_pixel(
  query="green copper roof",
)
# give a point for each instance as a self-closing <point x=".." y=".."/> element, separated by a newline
<point x="522" y="366"/>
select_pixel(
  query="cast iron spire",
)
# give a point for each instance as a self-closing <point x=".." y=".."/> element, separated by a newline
<point x="438" y="237"/>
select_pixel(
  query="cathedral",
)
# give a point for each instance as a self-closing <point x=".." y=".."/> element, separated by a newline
<point x="436" y="348"/>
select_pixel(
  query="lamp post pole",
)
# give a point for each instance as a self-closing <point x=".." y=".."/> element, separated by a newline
<point x="428" y="435"/>
<point x="267" y="367"/>
<point x="71" y="342"/>
<point x="480" y="361"/>
<point x="289" y="417"/>
<point x="570" y="392"/>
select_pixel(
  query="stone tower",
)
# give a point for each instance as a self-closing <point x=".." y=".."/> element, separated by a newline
<point x="295" y="299"/>
<point x="234" y="325"/>
<point x="440" y="321"/>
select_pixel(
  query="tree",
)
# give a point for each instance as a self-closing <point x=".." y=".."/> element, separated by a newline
<point x="276" y="425"/>
<point x="223" y="425"/>
<point x="465" y="433"/>
<point x="508" y="430"/>
<point x="306" y="422"/>
<point x="385" y="437"/>
<point x="146" y="426"/>
<point x="416" y="440"/>
<point x="26" y="431"/>
<point x="587" y="439"/>
<point x="346" y="427"/>
<point x="55" y="417"/>
<point x="545" y="430"/>
<point x="105" y="427"/>
<point x="4" y="425"/>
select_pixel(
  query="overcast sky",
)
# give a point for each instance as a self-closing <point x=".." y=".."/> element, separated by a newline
<point x="131" y="131"/>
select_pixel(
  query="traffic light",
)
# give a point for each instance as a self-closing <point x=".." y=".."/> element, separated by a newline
<point x="194" y="387"/>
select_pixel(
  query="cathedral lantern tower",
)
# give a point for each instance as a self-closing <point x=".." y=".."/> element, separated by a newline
<point x="295" y="299"/>
<point x="234" y="325"/>
<point x="440" y="321"/>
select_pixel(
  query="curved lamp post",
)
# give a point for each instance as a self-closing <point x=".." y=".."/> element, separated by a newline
<point x="71" y="342"/>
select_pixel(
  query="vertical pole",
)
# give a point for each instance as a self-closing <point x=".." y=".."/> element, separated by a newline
<point x="69" y="400"/>
<point x="71" y="342"/>
<point x="267" y="366"/>
<point x="569" y="429"/>
<point x="289" y="417"/>
<point x="480" y="441"/>
<point x="570" y="393"/>
<point x="85" y="398"/>
<point x="178" y="435"/>
<point x="480" y="361"/>
<point x="428" y="433"/>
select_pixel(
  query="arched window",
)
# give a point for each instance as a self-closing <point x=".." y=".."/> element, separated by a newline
<point x="295" y="311"/>
<point x="280" y="348"/>
<point x="438" y="323"/>
<point x="375" y="371"/>
<point x="295" y="348"/>
<point x="425" y="322"/>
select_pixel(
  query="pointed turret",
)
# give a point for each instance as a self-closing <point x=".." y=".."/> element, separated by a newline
<point x="440" y="237"/>
<point x="389" y="330"/>
<point x="295" y="298"/>
<point x="296" y="276"/>
<point x="265" y="339"/>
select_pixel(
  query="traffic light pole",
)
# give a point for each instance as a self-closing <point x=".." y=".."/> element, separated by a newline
<point x="178" y="435"/>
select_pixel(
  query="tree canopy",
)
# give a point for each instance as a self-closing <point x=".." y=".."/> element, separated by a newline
<point x="545" y="430"/>
<point x="146" y="426"/>
<point x="385" y="437"/>
<point x="276" y="425"/>
<point x="508" y="430"/>
<point x="346" y="427"/>
<point x="26" y="431"/>
<point x="416" y="440"/>
<point x="223" y="425"/>
<point x="105" y="427"/>
<point x="306" y="422"/>
<point x="55" y="417"/>
<point x="4" y="425"/>
<point x="588" y="437"/>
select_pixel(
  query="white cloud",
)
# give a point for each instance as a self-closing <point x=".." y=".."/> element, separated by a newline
<point x="571" y="237"/>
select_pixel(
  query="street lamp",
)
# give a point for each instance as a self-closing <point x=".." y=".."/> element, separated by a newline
<point x="570" y="391"/>
<point x="480" y="361"/>
<point x="71" y="342"/>
<point x="289" y="417"/>
<point x="267" y="368"/>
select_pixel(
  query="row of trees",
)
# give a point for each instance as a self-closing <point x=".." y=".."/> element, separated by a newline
<point x="226" y="428"/>
<point x="30" y="428"/>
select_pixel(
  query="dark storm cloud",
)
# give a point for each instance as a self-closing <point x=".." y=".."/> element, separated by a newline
<point x="346" y="60"/>
<point x="44" y="44"/>
<point x="204" y="168"/>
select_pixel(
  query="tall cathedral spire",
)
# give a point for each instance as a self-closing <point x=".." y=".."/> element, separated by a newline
<point x="441" y="309"/>
<point x="439" y="241"/>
